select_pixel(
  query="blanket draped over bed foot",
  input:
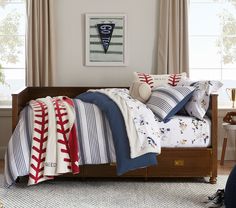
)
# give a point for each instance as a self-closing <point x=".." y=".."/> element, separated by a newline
<point x="99" y="126"/>
<point x="54" y="145"/>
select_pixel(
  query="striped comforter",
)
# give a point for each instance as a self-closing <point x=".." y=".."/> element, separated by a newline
<point x="94" y="139"/>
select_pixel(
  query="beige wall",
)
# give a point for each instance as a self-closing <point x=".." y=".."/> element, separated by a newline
<point x="70" y="27"/>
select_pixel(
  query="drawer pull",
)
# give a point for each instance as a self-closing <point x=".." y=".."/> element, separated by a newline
<point x="113" y="164"/>
<point x="179" y="162"/>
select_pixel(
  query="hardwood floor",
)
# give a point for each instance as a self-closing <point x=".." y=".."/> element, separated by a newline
<point x="222" y="170"/>
<point x="226" y="168"/>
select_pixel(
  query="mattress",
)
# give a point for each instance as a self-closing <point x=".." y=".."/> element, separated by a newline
<point x="185" y="131"/>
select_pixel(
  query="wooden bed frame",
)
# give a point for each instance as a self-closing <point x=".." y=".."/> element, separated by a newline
<point x="172" y="162"/>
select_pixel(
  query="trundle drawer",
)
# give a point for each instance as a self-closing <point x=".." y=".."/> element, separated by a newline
<point x="109" y="170"/>
<point x="183" y="162"/>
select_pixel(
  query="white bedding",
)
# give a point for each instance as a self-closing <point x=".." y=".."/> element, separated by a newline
<point x="185" y="131"/>
<point x="141" y="124"/>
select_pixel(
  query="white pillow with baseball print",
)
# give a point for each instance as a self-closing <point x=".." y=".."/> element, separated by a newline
<point x="161" y="79"/>
<point x="198" y="105"/>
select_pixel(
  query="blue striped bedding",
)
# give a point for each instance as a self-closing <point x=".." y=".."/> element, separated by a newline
<point x="95" y="141"/>
<point x="101" y="133"/>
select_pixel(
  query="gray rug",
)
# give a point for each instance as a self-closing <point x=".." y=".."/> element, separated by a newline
<point x="106" y="194"/>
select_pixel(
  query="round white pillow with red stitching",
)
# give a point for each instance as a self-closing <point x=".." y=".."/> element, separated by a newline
<point x="140" y="91"/>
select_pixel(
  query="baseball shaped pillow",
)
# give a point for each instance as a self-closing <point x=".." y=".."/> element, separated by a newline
<point x="140" y="91"/>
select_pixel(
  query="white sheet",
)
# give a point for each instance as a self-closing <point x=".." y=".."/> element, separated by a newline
<point x="185" y="131"/>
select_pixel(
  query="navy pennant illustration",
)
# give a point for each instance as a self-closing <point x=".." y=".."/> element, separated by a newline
<point x="105" y="31"/>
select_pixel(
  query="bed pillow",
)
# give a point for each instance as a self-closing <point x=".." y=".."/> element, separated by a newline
<point x="166" y="101"/>
<point x="198" y="105"/>
<point x="161" y="79"/>
<point x="140" y="91"/>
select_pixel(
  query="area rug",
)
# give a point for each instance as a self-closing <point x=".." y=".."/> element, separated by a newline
<point x="165" y="193"/>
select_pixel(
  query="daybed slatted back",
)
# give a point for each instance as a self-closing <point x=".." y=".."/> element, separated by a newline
<point x="21" y="98"/>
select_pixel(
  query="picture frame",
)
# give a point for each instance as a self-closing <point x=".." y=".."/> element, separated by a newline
<point x="106" y="39"/>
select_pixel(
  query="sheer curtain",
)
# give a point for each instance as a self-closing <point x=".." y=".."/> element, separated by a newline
<point x="40" y="46"/>
<point x="173" y="37"/>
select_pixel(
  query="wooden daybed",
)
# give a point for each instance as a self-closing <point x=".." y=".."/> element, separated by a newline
<point x="173" y="162"/>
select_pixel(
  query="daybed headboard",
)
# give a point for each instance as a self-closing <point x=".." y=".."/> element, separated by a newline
<point x="21" y="98"/>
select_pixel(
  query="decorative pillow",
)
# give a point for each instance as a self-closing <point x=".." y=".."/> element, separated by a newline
<point x="166" y="101"/>
<point x="140" y="91"/>
<point x="161" y="79"/>
<point x="199" y="103"/>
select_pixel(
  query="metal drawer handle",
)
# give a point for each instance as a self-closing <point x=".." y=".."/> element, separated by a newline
<point x="113" y="164"/>
<point x="179" y="162"/>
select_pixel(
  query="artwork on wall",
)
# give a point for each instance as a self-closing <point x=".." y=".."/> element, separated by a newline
<point x="106" y="37"/>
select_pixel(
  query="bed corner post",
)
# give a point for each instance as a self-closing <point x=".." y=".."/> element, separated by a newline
<point x="19" y="100"/>
<point x="214" y="135"/>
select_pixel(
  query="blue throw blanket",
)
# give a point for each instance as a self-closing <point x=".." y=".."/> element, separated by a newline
<point x="121" y="142"/>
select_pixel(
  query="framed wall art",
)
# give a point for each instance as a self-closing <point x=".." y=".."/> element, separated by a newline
<point x="106" y="39"/>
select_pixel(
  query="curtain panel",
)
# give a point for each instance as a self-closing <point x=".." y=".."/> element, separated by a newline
<point x="40" y="46"/>
<point x="173" y="52"/>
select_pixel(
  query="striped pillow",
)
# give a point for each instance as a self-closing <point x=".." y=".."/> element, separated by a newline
<point x="166" y="101"/>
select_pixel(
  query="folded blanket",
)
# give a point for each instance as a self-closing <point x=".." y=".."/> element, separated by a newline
<point x="118" y="128"/>
<point x="141" y="124"/>
<point x="54" y="148"/>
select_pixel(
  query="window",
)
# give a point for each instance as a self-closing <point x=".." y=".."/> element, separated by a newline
<point x="12" y="48"/>
<point x="212" y="42"/>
